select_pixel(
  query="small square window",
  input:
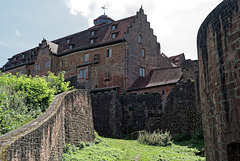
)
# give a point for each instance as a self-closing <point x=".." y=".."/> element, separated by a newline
<point x="86" y="57"/>
<point x="109" y="53"/>
<point x="83" y="73"/>
<point x="163" y="92"/>
<point x="70" y="46"/>
<point x="113" y="27"/>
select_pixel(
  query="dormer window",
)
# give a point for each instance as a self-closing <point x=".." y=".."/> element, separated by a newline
<point x="14" y="59"/>
<point x="70" y="46"/>
<point x="113" y="27"/>
<point x="113" y="36"/>
<point x="68" y="41"/>
<point x="23" y="55"/>
<point x="91" y="41"/>
<point x="92" y="33"/>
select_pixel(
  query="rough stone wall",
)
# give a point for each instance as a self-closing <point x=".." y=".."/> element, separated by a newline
<point x="130" y="113"/>
<point x="180" y="111"/>
<point x="219" y="69"/>
<point x="138" y="109"/>
<point x="67" y="120"/>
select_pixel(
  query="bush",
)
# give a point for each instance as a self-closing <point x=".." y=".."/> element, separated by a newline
<point x="24" y="98"/>
<point x="157" y="138"/>
<point x="181" y="137"/>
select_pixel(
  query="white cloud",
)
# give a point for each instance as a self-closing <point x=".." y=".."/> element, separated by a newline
<point x="17" y="33"/>
<point x="174" y="22"/>
<point x="4" y="44"/>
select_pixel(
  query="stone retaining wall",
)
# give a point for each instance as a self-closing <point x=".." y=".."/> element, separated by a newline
<point x="67" y="120"/>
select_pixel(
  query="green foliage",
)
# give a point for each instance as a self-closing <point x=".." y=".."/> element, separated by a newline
<point x="24" y="98"/>
<point x="157" y="138"/>
<point x="181" y="137"/>
<point x="196" y="141"/>
<point x="115" y="149"/>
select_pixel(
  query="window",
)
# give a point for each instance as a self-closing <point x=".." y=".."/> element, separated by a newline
<point x="142" y="72"/>
<point x="83" y="73"/>
<point x="14" y="59"/>
<point x="163" y="92"/>
<point x="139" y="38"/>
<point x="113" y="36"/>
<point x="20" y="72"/>
<point x="86" y="57"/>
<point x="109" y="53"/>
<point x="48" y="64"/>
<point x="113" y="27"/>
<point x="143" y="53"/>
<point x="92" y="33"/>
<point x="68" y="41"/>
<point x="91" y="41"/>
<point x="43" y="51"/>
<point x="37" y="68"/>
<point x="23" y="56"/>
<point x="70" y="46"/>
<point x="61" y="63"/>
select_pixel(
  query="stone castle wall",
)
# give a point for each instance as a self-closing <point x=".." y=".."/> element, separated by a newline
<point x="131" y="113"/>
<point x="67" y="120"/>
<point x="219" y="71"/>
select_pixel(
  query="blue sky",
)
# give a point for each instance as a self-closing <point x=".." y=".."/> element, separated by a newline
<point x="23" y="24"/>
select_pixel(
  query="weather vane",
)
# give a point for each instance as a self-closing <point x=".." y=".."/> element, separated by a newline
<point x="104" y="9"/>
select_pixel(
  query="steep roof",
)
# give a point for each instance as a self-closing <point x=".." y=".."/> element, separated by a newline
<point x="158" y="77"/>
<point x="100" y="35"/>
<point x="177" y="59"/>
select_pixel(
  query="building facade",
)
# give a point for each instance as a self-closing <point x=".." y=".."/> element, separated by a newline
<point x="111" y="53"/>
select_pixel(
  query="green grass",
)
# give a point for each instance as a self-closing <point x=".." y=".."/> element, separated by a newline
<point x="130" y="150"/>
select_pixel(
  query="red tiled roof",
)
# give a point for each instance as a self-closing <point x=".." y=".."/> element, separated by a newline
<point x="79" y="41"/>
<point x="158" y="77"/>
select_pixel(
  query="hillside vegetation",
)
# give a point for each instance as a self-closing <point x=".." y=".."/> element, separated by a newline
<point x="108" y="149"/>
<point x="24" y="98"/>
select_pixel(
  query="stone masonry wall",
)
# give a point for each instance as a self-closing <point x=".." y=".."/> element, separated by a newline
<point x="67" y="120"/>
<point x="219" y="70"/>
<point x="130" y="113"/>
<point x="180" y="113"/>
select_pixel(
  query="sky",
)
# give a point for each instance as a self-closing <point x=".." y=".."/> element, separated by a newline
<point x="23" y="24"/>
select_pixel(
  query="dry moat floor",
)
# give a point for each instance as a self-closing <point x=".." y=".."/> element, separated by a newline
<point x="131" y="150"/>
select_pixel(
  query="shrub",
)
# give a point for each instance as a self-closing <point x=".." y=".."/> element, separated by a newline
<point x="157" y="138"/>
<point x="24" y="98"/>
<point x="181" y="137"/>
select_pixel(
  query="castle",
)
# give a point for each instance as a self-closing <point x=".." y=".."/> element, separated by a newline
<point x="111" y="54"/>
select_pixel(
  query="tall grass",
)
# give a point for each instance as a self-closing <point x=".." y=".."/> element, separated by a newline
<point x="157" y="138"/>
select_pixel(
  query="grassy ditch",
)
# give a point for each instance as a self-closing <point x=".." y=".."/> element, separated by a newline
<point x="108" y="149"/>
